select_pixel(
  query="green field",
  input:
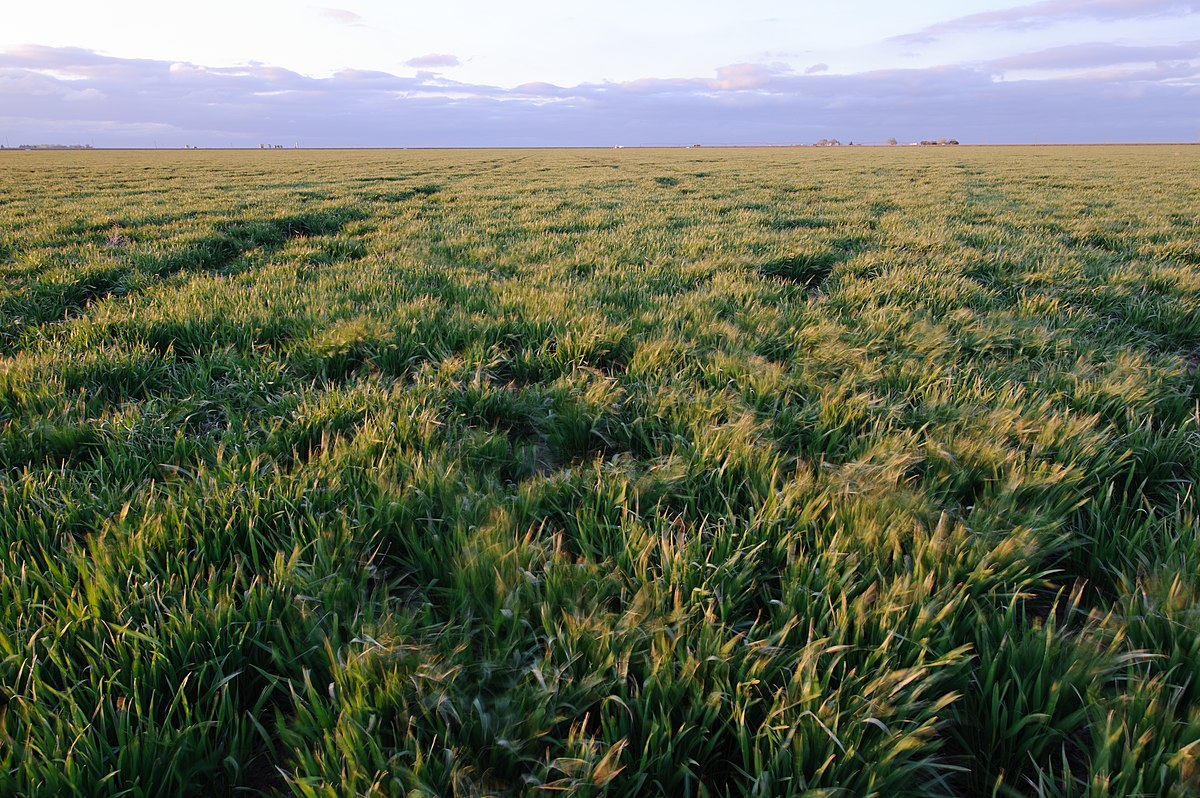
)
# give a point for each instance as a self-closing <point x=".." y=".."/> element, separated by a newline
<point x="694" y="472"/>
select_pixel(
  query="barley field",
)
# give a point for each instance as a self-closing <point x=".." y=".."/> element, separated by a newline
<point x="694" y="472"/>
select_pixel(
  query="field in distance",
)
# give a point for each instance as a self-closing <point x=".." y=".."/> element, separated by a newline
<point x="686" y="472"/>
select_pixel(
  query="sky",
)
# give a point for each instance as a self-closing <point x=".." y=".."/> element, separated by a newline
<point x="463" y="73"/>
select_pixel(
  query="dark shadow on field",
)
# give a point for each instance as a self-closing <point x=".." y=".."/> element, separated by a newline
<point x="101" y="231"/>
<point x="802" y="223"/>
<point x="811" y="269"/>
<point x="581" y="227"/>
<point x="51" y="443"/>
<point x="47" y="302"/>
<point x="219" y="252"/>
<point x="401" y="195"/>
<point x="1111" y="240"/>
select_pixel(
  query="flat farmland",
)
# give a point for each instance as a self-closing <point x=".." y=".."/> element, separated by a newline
<point x="688" y="472"/>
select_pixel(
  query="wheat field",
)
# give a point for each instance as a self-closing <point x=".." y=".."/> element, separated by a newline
<point x="688" y="472"/>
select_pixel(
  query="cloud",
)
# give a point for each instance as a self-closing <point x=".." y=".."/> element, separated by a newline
<point x="433" y="60"/>
<point x="71" y="95"/>
<point x="815" y="68"/>
<point x="1097" y="54"/>
<point x="739" y="77"/>
<point x="1051" y="12"/>
<point x="342" y="15"/>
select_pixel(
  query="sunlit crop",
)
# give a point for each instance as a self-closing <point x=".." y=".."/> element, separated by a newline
<point x="846" y="472"/>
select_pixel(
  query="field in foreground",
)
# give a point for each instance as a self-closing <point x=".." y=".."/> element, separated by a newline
<point x="679" y="472"/>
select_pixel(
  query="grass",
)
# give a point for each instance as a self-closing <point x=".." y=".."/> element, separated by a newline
<point x="654" y="472"/>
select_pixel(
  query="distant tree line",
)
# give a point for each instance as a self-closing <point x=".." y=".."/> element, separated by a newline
<point x="939" y="142"/>
<point x="55" y="147"/>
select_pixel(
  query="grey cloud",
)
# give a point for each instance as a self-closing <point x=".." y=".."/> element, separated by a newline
<point x="1049" y="12"/>
<point x="815" y="68"/>
<point x="433" y="60"/>
<point x="1179" y="72"/>
<point x="70" y="95"/>
<point x="1097" y="54"/>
